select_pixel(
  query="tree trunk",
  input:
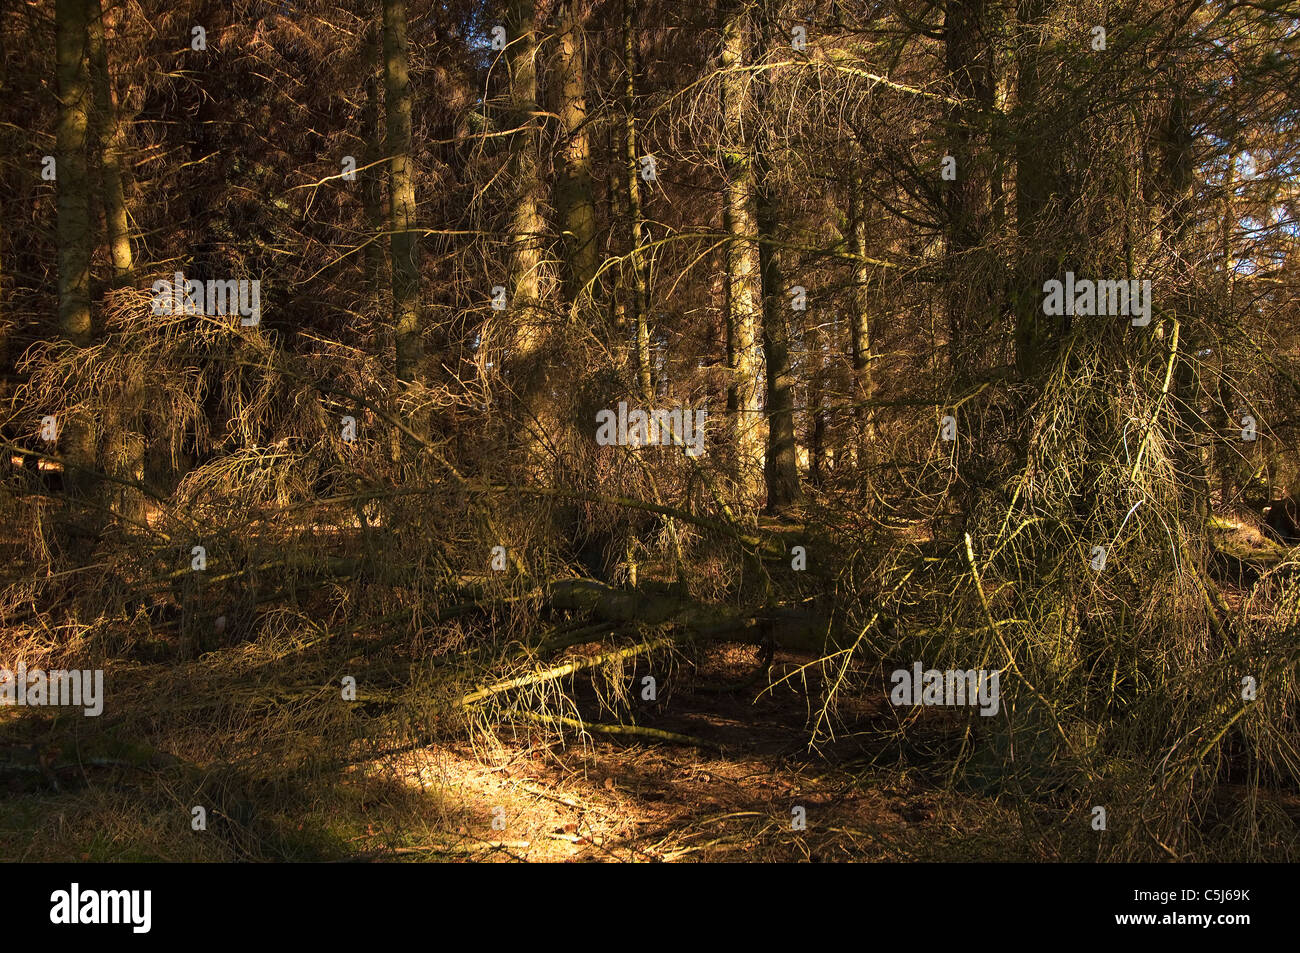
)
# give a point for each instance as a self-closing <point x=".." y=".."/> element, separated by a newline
<point x="816" y="375"/>
<point x="573" y="193"/>
<point x="372" y="190"/>
<point x="639" y="299"/>
<point x="407" y="316"/>
<point x="74" y="233"/>
<point x="781" y="464"/>
<point x="971" y="304"/>
<point x="1178" y="185"/>
<point x="743" y="266"/>
<point x="110" y="140"/>
<point x="530" y="335"/>
<point x="122" y="417"/>
<point x="864" y="388"/>
<point x="973" y="289"/>
<point x="75" y="240"/>
<point x="1037" y="162"/>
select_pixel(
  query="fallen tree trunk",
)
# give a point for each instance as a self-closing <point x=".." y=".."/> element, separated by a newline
<point x="787" y="626"/>
<point x="568" y="668"/>
<point x="636" y="731"/>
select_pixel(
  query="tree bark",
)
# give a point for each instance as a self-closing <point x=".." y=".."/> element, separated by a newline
<point x="110" y="140"/>
<point x="639" y="299"/>
<point x="816" y="376"/>
<point x="530" y="335"/>
<point x="1035" y="172"/>
<point x="971" y="306"/>
<point x="743" y="266"/>
<point x="781" y="467"/>
<point x="575" y="205"/>
<point x="122" y="418"/>
<point x="407" y="317"/>
<point x="864" y="388"/>
<point x="74" y="235"/>
<point x="372" y="190"/>
<point x="74" y="232"/>
<point x="1178" y="186"/>
<point x="781" y="464"/>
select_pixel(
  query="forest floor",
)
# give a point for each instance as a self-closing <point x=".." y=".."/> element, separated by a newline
<point x="521" y="795"/>
<point x="738" y="780"/>
<point x="617" y="800"/>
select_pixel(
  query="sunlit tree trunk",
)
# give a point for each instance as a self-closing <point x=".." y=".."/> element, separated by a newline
<point x="110" y="138"/>
<point x="816" y="376"/>
<point x="860" y="325"/>
<point x="639" y="297"/>
<point x="529" y="333"/>
<point x="743" y="266"/>
<point x="573" y="191"/>
<point x="122" y="417"/>
<point x="401" y="194"/>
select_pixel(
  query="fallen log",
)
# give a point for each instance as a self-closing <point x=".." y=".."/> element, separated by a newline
<point x="568" y="668"/>
<point x="788" y="626"/>
<point x="636" y="731"/>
